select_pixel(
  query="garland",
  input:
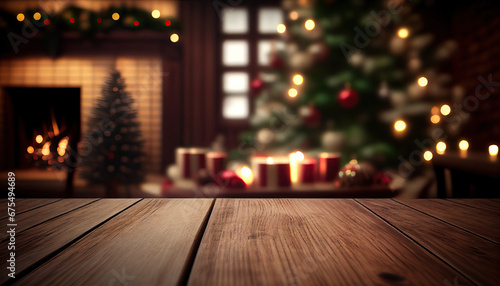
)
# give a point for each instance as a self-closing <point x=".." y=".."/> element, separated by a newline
<point x="17" y="29"/>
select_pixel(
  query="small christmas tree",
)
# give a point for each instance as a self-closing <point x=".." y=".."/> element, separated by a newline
<point x="115" y="156"/>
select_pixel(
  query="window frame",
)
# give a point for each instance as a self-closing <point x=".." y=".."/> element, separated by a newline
<point x="253" y="68"/>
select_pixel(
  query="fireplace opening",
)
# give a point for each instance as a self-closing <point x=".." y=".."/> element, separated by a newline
<point x="42" y="124"/>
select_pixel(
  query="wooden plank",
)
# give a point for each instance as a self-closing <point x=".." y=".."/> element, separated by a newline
<point x="39" y="243"/>
<point x="29" y="219"/>
<point x="24" y="205"/>
<point x="151" y="243"/>
<point x="476" y="258"/>
<point x="309" y="242"/>
<point x="492" y="205"/>
<point x="482" y="223"/>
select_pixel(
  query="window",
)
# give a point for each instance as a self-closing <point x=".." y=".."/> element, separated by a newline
<point x="248" y="36"/>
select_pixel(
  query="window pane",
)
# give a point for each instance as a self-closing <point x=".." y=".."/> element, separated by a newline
<point x="235" y="107"/>
<point x="264" y="50"/>
<point x="234" y="20"/>
<point x="269" y="18"/>
<point x="235" y="53"/>
<point x="235" y="82"/>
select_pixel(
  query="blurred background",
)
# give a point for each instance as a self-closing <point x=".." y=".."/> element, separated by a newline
<point x="383" y="82"/>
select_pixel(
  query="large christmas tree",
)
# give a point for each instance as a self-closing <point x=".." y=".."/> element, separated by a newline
<point x="114" y="141"/>
<point x="363" y="78"/>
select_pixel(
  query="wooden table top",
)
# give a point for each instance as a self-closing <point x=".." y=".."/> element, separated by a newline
<point x="254" y="242"/>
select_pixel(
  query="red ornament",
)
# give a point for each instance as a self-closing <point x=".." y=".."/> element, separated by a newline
<point x="348" y="98"/>
<point x="229" y="179"/>
<point x="256" y="86"/>
<point x="382" y="178"/>
<point x="276" y="62"/>
<point x="310" y="115"/>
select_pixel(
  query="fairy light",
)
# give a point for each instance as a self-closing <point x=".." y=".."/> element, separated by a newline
<point x="435" y="118"/>
<point x="292" y="92"/>
<point x="403" y="33"/>
<point x="281" y="28"/>
<point x="294" y="15"/>
<point x="399" y="125"/>
<point x="309" y="24"/>
<point x="422" y="81"/>
<point x="463" y="145"/>
<point x="155" y="14"/>
<point x="115" y="16"/>
<point x="298" y="79"/>
<point x="445" y="109"/>
<point x="20" y="17"/>
<point x="39" y="139"/>
<point x="30" y="149"/>
<point x="37" y="16"/>
<point x="246" y="175"/>
<point x="493" y="150"/>
<point x="270" y="160"/>
<point x="440" y="147"/>
<point x="427" y="155"/>
<point x="174" y="38"/>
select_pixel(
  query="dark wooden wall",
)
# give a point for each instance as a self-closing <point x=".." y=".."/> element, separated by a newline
<point x="476" y="27"/>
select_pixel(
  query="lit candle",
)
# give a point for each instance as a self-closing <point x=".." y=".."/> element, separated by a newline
<point x="329" y="166"/>
<point x="189" y="161"/>
<point x="493" y="150"/>
<point x="440" y="147"/>
<point x="463" y="146"/>
<point x="295" y="157"/>
<point x="246" y="174"/>
<point x="215" y="162"/>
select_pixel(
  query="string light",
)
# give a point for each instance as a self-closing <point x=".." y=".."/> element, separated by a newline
<point x="99" y="20"/>
<point x="292" y="92"/>
<point x="20" y="17"/>
<point x="309" y="24"/>
<point x="435" y="110"/>
<point x="445" y="109"/>
<point x="155" y="14"/>
<point x="399" y="125"/>
<point x="281" y="28"/>
<point x="422" y="81"/>
<point x="37" y="16"/>
<point x="115" y="16"/>
<point x="403" y="33"/>
<point x="270" y="160"/>
<point x="441" y="147"/>
<point x="435" y="118"/>
<point x="463" y="145"/>
<point x="30" y="149"/>
<point x="493" y="150"/>
<point x="174" y="38"/>
<point x="46" y="22"/>
<point x="298" y="79"/>
<point x="167" y="23"/>
<point x="136" y="23"/>
<point x="246" y="175"/>
<point x="294" y="15"/>
<point x="427" y="155"/>
<point x="72" y="20"/>
<point x="39" y="139"/>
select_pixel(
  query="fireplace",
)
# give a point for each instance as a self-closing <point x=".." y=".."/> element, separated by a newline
<point x="40" y="123"/>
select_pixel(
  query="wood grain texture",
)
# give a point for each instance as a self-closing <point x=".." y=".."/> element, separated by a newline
<point x="36" y="216"/>
<point x="492" y="205"/>
<point x="38" y="243"/>
<point x="476" y="258"/>
<point x="151" y="243"/>
<point x="482" y="223"/>
<point x="309" y="242"/>
<point x="24" y="205"/>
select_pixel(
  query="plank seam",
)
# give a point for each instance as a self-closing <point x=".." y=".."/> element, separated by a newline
<point x="45" y="221"/>
<point x="480" y="236"/>
<point x="196" y="245"/>
<point x="28" y="210"/>
<point x="417" y="243"/>
<point x="51" y="255"/>
<point x="477" y="208"/>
